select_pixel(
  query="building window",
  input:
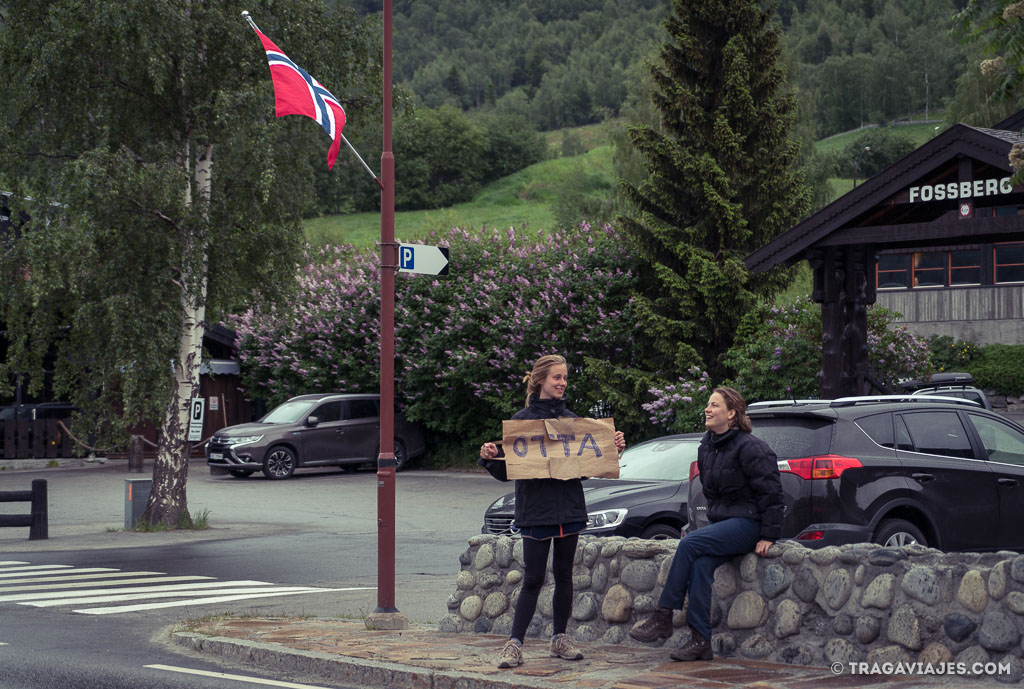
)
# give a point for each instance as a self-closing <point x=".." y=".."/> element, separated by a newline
<point x="1008" y="261"/>
<point x="893" y="271"/>
<point x="965" y="267"/>
<point x="930" y="269"/>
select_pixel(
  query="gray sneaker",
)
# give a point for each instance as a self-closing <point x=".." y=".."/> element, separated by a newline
<point x="563" y="647"/>
<point x="511" y="655"/>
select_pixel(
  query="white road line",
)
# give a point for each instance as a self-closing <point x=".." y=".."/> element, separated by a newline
<point x="46" y="595"/>
<point x="34" y="567"/>
<point x="83" y="584"/>
<point x="238" y="678"/>
<point x="4" y="563"/>
<point x="202" y="601"/>
<point x="53" y="572"/>
<point x="115" y="598"/>
<point x="73" y="577"/>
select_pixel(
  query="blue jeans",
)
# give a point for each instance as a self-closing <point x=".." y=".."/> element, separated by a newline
<point x="693" y="567"/>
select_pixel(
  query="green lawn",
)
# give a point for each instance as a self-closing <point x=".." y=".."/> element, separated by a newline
<point x="521" y="200"/>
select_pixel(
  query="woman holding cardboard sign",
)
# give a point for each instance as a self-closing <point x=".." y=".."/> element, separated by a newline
<point x="549" y="512"/>
<point x="740" y="478"/>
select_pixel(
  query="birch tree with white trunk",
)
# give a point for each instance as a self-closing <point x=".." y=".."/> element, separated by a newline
<point x="134" y="241"/>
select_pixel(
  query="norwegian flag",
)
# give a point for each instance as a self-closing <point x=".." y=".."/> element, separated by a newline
<point x="297" y="93"/>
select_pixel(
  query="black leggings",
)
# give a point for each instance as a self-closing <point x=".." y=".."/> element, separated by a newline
<point x="535" y="560"/>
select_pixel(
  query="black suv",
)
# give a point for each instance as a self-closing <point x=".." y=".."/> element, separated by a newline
<point x="942" y="472"/>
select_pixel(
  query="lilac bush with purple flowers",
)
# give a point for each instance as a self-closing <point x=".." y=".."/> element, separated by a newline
<point x="462" y="342"/>
<point x="679" y="407"/>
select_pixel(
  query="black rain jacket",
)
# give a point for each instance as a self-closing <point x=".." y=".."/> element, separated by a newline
<point x="739" y="475"/>
<point x="543" y="501"/>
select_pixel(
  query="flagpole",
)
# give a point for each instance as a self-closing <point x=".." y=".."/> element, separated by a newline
<point x="245" y="15"/>
<point x="386" y="614"/>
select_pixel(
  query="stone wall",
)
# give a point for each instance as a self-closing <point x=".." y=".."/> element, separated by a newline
<point x="844" y="604"/>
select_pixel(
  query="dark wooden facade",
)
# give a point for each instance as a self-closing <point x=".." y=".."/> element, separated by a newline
<point x="899" y="209"/>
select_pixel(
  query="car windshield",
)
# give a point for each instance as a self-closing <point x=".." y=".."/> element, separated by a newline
<point x="665" y="459"/>
<point x="289" y="412"/>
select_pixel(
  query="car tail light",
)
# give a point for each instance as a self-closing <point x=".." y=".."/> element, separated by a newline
<point x="811" y="536"/>
<point x="826" y="466"/>
<point x="694" y="470"/>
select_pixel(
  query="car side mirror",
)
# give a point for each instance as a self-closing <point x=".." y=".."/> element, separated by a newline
<point x="312" y="421"/>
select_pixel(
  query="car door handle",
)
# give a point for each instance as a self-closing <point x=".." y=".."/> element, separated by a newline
<point x="1009" y="482"/>
<point x="923" y="478"/>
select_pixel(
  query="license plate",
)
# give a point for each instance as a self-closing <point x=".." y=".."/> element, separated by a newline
<point x="216" y="455"/>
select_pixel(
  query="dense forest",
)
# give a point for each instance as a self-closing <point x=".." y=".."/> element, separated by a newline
<point x="566" y="63"/>
<point x="539" y="66"/>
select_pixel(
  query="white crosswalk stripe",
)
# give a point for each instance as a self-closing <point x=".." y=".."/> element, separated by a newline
<point x="44" y="586"/>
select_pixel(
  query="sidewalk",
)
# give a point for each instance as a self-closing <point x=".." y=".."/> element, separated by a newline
<point x="423" y="658"/>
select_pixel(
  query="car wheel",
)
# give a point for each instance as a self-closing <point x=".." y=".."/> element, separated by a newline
<point x="401" y="456"/>
<point x="893" y="533"/>
<point x="279" y="463"/>
<point x="660" y="532"/>
<point x="240" y="473"/>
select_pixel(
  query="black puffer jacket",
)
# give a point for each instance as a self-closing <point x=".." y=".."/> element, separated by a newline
<point x="543" y="501"/>
<point x="739" y="474"/>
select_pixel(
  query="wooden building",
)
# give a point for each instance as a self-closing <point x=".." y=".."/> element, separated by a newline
<point x="938" y="237"/>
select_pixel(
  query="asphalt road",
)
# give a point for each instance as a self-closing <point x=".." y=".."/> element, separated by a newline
<point x="317" y="530"/>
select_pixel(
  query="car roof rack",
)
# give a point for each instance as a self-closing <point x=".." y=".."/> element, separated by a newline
<point x="784" y="403"/>
<point x="879" y="399"/>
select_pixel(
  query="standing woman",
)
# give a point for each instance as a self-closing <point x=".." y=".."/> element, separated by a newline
<point x="548" y="511"/>
<point x="739" y="474"/>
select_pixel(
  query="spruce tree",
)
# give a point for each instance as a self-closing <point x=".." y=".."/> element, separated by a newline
<point x="722" y="181"/>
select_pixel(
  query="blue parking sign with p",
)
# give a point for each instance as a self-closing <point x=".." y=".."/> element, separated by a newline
<point x="406" y="258"/>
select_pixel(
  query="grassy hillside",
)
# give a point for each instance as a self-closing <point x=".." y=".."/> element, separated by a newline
<point x="523" y="200"/>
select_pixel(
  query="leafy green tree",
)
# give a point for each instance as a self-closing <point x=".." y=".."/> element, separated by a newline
<point x="886" y="147"/>
<point x="140" y="138"/>
<point x="721" y="183"/>
<point x="998" y="28"/>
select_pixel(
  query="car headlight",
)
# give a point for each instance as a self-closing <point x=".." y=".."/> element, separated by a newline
<point x="605" y="519"/>
<point x="243" y="440"/>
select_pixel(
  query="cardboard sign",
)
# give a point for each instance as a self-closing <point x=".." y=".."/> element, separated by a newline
<point x="560" y="448"/>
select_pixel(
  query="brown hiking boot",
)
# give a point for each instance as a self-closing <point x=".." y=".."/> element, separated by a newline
<point x="657" y="626"/>
<point x="511" y="655"/>
<point x="563" y="647"/>
<point x="697" y="648"/>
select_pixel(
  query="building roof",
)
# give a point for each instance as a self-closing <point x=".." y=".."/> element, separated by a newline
<point x="877" y="212"/>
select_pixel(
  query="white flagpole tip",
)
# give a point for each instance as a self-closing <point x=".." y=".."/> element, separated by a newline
<point x="245" y="13"/>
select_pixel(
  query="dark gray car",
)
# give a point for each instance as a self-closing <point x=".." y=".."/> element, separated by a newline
<point x="311" y="431"/>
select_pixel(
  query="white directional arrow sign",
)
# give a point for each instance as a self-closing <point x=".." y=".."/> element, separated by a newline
<point x="423" y="259"/>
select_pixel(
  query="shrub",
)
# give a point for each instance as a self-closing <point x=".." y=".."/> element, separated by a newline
<point x="462" y="342"/>
<point x="679" y="407"/>
<point x="949" y="355"/>
<point x="999" y="367"/>
<point x="777" y="354"/>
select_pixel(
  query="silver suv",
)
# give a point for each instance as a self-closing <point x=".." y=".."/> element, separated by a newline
<point x="308" y="431"/>
<point x="951" y="384"/>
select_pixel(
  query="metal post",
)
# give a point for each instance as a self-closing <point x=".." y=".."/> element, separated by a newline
<point x="39" y="530"/>
<point x="386" y="615"/>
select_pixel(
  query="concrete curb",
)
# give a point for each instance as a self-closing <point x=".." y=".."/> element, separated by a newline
<point x="357" y="671"/>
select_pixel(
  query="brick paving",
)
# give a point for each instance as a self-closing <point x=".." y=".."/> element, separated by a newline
<point x="421" y="656"/>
